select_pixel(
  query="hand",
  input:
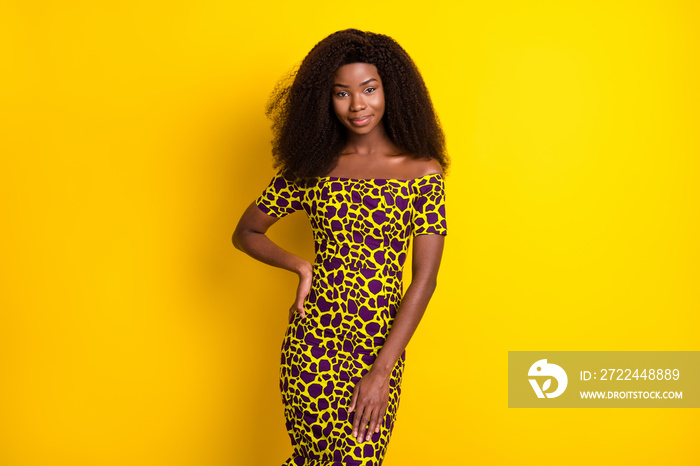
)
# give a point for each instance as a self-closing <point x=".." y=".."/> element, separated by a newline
<point x="302" y="292"/>
<point x="370" y="399"/>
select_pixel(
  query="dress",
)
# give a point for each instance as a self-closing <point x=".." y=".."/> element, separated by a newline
<point x="362" y="229"/>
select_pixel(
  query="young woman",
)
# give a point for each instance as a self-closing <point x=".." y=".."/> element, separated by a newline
<point x="361" y="151"/>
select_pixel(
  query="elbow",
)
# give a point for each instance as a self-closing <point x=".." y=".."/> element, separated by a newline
<point x="243" y="239"/>
<point x="236" y="240"/>
<point x="427" y="285"/>
<point x="432" y="285"/>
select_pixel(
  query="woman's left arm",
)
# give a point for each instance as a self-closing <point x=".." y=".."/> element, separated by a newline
<point x="370" y="397"/>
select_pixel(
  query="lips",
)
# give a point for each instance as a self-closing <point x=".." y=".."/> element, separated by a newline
<point x="361" y="121"/>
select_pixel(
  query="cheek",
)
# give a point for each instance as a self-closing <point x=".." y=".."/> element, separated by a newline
<point x="378" y="101"/>
<point x="337" y="108"/>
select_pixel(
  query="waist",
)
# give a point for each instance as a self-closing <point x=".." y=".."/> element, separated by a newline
<point x="360" y="265"/>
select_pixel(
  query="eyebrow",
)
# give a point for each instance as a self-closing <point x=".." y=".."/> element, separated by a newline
<point x="361" y="84"/>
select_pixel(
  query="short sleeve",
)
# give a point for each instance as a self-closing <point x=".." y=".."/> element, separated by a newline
<point x="280" y="198"/>
<point x="429" y="206"/>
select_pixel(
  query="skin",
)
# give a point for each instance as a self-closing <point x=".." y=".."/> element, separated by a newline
<point x="368" y="153"/>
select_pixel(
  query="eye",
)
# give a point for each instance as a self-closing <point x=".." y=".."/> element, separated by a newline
<point x="341" y="94"/>
<point x="369" y="90"/>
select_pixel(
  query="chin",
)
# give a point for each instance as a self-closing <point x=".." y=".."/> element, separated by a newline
<point x="360" y="131"/>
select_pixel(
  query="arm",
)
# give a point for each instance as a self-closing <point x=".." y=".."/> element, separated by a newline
<point x="249" y="237"/>
<point x="371" y="394"/>
<point x="427" y="254"/>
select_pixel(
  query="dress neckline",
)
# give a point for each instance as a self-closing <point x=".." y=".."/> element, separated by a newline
<point x="342" y="178"/>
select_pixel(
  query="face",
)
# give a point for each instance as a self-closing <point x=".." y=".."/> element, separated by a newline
<point x="358" y="97"/>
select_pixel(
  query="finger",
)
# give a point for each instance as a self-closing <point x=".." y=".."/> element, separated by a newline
<point x="356" y="425"/>
<point x="353" y="398"/>
<point x="300" y="306"/>
<point x="363" y="425"/>
<point x="373" y="425"/>
<point x="362" y="429"/>
<point x="380" y="421"/>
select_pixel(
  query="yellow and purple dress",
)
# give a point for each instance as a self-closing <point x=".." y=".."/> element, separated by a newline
<point x="362" y="229"/>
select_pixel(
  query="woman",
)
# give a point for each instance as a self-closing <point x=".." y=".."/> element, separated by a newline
<point x="361" y="151"/>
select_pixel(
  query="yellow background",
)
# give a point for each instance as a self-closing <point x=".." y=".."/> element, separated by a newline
<point x="133" y="136"/>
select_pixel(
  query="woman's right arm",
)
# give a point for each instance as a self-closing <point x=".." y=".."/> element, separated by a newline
<point x="249" y="237"/>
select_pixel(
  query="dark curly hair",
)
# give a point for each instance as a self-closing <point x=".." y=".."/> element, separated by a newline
<point x="308" y="137"/>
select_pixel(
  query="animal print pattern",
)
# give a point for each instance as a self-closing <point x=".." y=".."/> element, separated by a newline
<point x="362" y="229"/>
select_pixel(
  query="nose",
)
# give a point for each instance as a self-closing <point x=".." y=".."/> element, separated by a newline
<point x="358" y="103"/>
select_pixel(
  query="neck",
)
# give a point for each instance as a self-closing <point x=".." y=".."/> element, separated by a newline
<point x="375" y="141"/>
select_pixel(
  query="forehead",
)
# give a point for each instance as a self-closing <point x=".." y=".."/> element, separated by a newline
<point x="355" y="73"/>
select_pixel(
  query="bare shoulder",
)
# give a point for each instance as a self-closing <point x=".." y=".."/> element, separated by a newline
<point x="419" y="167"/>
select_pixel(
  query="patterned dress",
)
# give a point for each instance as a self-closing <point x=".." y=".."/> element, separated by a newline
<point x="362" y="229"/>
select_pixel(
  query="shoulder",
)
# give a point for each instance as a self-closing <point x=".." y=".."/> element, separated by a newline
<point x="282" y="182"/>
<point x="419" y="167"/>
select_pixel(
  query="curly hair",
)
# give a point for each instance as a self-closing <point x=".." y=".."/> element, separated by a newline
<point x="307" y="135"/>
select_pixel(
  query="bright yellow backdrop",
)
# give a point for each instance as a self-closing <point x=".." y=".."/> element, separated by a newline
<point x="133" y="136"/>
